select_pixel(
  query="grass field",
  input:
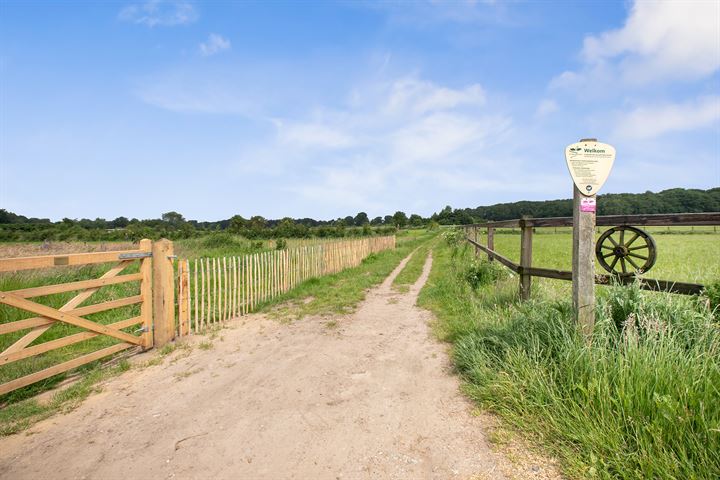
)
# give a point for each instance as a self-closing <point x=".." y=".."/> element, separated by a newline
<point x="641" y="400"/>
<point x="681" y="257"/>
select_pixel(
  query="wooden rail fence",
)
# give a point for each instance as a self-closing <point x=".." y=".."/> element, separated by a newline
<point x="213" y="290"/>
<point x="526" y="270"/>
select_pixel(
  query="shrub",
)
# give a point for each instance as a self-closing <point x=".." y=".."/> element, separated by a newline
<point x="280" y="244"/>
<point x="219" y="240"/>
<point x="713" y="293"/>
<point x="482" y="272"/>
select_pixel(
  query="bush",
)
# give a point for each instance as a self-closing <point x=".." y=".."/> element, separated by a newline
<point x="713" y="293"/>
<point x="280" y="244"/>
<point x="219" y="240"/>
<point x="483" y="272"/>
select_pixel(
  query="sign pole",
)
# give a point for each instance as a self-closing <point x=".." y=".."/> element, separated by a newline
<point x="583" y="263"/>
<point x="589" y="163"/>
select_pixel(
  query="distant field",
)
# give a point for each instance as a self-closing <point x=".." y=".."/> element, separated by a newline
<point x="207" y="246"/>
<point x="690" y="256"/>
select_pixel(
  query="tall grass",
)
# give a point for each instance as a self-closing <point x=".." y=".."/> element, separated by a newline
<point x="640" y="399"/>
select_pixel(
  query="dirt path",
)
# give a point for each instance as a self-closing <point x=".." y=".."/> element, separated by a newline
<point x="362" y="396"/>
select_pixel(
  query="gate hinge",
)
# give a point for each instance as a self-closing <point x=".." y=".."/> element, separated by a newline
<point x="128" y="256"/>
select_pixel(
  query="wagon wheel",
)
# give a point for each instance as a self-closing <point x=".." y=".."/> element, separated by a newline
<point x="626" y="256"/>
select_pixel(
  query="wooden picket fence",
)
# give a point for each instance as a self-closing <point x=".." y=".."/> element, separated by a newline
<point x="213" y="290"/>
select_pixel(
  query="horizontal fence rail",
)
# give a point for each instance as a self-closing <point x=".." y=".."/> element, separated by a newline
<point x="527" y="225"/>
<point x="655" y="220"/>
<point x="213" y="290"/>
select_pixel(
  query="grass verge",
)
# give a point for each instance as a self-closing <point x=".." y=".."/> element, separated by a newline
<point x="640" y="400"/>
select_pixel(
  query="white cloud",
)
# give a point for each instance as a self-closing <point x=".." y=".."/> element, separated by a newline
<point x="314" y="136"/>
<point x="661" y="41"/>
<point x="676" y="39"/>
<point x="652" y="121"/>
<point x="164" y="13"/>
<point x="214" y="44"/>
<point x="420" y="97"/>
<point x="546" y="107"/>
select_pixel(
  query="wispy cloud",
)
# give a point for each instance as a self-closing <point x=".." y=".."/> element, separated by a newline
<point x="164" y="13"/>
<point x="654" y="120"/>
<point x="214" y="44"/>
<point x="390" y="139"/>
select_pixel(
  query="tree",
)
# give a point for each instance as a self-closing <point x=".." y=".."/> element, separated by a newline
<point x="388" y="220"/>
<point x="376" y="221"/>
<point x="361" y="219"/>
<point x="349" y="221"/>
<point x="174" y="219"/>
<point x="237" y="224"/>
<point x="399" y="219"/>
<point x="416" y="220"/>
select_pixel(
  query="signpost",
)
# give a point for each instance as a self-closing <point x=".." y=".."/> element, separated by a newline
<point x="589" y="163"/>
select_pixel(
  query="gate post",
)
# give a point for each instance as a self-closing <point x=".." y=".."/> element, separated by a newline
<point x="163" y="292"/>
<point x="146" y="291"/>
<point x="525" y="258"/>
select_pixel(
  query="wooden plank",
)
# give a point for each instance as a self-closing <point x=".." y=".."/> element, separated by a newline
<point x="657" y="220"/>
<point x="70" y="259"/>
<point x="71" y="286"/>
<point x="61" y="368"/>
<point x="41" y="328"/>
<point x="62" y="342"/>
<point x="42" y="321"/>
<point x="18" y="302"/>
<point x="163" y="293"/>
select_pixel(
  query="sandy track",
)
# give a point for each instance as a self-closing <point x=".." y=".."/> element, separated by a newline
<point x="369" y="398"/>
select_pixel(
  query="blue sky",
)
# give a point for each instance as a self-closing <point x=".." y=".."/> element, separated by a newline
<point x="324" y="109"/>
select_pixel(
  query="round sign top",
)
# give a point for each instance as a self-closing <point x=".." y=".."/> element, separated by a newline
<point x="589" y="163"/>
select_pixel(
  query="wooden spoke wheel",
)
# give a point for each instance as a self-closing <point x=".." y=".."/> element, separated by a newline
<point x="626" y="250"/>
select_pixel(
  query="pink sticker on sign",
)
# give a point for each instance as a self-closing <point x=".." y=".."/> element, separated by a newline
<point x="587" y="204"/>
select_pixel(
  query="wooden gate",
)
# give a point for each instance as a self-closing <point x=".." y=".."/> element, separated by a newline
<point x="72" y="313"/>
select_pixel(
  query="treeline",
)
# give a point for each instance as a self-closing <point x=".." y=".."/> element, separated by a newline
<point x="174" y="226"/>
<point x="676" y="200"/>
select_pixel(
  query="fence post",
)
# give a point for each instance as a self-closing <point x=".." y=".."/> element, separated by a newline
<point x="146" y="310"/>
<point x="477" y="250"/>
<point x="183" y="297"/>
<point x="526" y="232"/>
<point x="491" y="242"/>
<point x="163" y="293"/>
